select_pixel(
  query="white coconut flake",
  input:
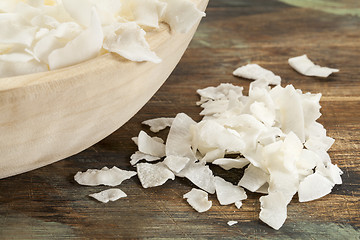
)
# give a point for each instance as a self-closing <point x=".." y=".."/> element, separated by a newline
<point x="231" y="223"/>
<point x="200" y="175"/>
<point x="85" y="46"/>
<point x="255" y="72"/>
<point x="213" y="155"/>
<point x="105" y="176"/>
<point x="129" y="41"/>
<point x="229" y="163"/>
<point x="273" y="210"/>
<point x="227" y="193"/>
<point x="305" y="66"/>
<point x="153" y="175"/>
<point x="111" y="194"/>
<point x="238" y="204"/>
<point x="182" y="15"/>
<point x="138" y="156"/>
<point x="313" y="187"/>
<point x="148" y="12"/>
<point x="253" y="178"/>
<point x="176" y="163"/>
<point x="158" y="124"/>
<point x="198" y="199"/>
<point x="150" y="146"/>
<point x="179" y="140"/>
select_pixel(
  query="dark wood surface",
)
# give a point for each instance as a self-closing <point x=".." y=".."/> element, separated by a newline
<point x="48" y="204"/>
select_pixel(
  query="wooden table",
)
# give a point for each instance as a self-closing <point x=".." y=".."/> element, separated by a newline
<point x="48" y="204"/>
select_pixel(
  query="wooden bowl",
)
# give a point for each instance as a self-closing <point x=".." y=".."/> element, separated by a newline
<point x="46" y="117"/>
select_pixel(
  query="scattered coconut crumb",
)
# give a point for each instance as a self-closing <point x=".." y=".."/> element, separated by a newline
<point x="153" y="175"/>
<point x="230" y="223"/>
<point x="305" y="66"/>
<point x="111" y="194"/>
<point x="105" y="176"/>
<point x="238" y="204"/>
<point x="198" y="199"/>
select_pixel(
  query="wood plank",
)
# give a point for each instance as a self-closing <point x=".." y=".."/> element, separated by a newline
<point x="47" y="203"/>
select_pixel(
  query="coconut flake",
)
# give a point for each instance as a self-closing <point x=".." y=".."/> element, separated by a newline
<point x="179" y="140"/>
<point x="238" y="204"/>
<point x="182" y="15"/>
<point x="105" y="176"/>
<point x="227" y="193"/>
<point x="230" y="223"/>
<point x="229" y="163"/>
<point x="137" y="156"/>
<point x="153" y="175"/>
<point x="305" y="66"/>
<point x="253" y="178"/>
<point x="198" y="199"/>
<point x="148" y="12"/>
<point x="128" y="40"/>
<point x="273" y="210"/>
<point x="85" y="46"/>
<point x="200" y="175"/>
<point x="255" y="72"/>
<point x="150" y="146"/>
<point x="176" y="163"/>
<point x="313" y="187"/>
<point x="111" y="194"/>
<point x="158" y="124"/>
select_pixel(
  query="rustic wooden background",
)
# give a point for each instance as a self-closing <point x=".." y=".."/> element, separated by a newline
<point x="48" y="204"/>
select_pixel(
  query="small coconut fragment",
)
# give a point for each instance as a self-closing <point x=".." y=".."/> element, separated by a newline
<point x="198" y="199"/>
<point x="153" y="175"/>
<point x="111" y="194"/>
<point x="105" y="176"/>
<point x="305" y="66"/>
<point x="150" y="146"/>
<point x="176" y="163"/>
<point x="229" y="163"/>
<point x="273" y="210"/>
<point x="238" y="204"/>
<point x="137" y="156"/>
<point x="227" y="193"/>
<point x="230" y="223"/>
<point x="220" y="92"/>
<point x="255" y="72"/>
<point x="158" y="124"/>
<point x="313" y="187"/>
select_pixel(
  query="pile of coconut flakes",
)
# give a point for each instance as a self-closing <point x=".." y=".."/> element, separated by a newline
<point x="272" y="132"/>
<point x="41" y="35"/>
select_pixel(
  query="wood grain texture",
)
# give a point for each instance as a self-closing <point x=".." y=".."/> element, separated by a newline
<point x="47" y="204"/>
